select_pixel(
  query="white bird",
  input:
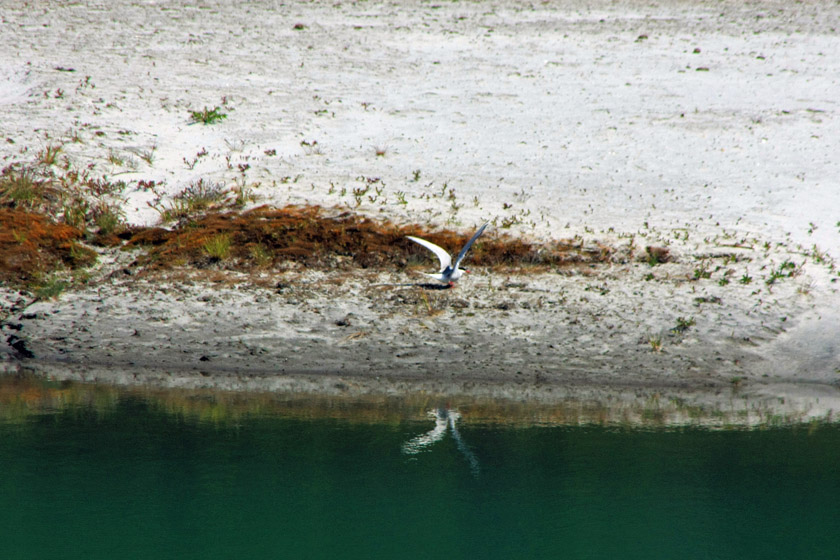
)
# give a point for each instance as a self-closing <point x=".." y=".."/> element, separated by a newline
<point x="449" y="273"/>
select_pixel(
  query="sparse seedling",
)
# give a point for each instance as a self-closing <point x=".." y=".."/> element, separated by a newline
<point x="115" y="159"/>
<point x="84" y="84"/>
<point x="207" y="116"/>
<point x="198" y="155"/>
<point x="244" y="193"/>
<point x="655" y="342"/>
<point x="311" y="148"/>
<point x="820" y="256"/>
<point x="701" y="272"/>
<point x="745" y="279"/>
<point x="148" y="155"/>
<point x="430" y="305"/>
<point x="416" y="177"/>
<point x="359" y="193"/>
<point x="260" y="255"/>
<point x="786" y="270"/>
<point x="49" y="155"/>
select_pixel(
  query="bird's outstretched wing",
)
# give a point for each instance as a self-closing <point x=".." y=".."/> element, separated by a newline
<point x="466" y="248"/>
<point x="442" y="255"/>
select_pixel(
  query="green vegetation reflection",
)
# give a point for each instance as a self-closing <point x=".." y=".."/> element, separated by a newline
<point x="115" y="474"/>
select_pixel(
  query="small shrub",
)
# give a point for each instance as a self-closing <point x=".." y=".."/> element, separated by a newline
<point x="207" y="116"/>
<point x="683" y="324"/>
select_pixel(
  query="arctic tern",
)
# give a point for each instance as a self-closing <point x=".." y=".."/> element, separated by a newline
<point x="449" y="272"/>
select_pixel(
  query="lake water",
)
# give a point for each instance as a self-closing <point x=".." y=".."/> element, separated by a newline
<point x="114" y="475"/>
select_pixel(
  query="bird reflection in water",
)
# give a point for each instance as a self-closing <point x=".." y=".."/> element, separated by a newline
<point x="445" y="419"/>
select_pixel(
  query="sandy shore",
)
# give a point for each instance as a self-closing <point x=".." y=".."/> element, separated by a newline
<point x="710" y="128"/>
<point x="602" y="336"/>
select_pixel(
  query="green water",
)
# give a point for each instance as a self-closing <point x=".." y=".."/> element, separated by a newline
<point x="134" y="482"/>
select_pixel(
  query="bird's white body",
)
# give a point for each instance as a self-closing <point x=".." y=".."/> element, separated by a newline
<point x="449" y="272"/>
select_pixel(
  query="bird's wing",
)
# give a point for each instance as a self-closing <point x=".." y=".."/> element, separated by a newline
<point x="466" y="248"/>
<point x="442" y="255"/>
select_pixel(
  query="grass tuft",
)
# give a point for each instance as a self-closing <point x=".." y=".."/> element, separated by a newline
<point x="49" y="287"/>
<point x="218" y="247"/>
<point x="260" y="255"/>
<point x="196" y="199"/>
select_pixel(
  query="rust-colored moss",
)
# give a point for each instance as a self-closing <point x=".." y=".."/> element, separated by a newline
<point x="31" y="244"/>
<point x="311" y="236"/>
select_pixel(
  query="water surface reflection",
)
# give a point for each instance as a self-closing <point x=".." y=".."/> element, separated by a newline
<point x="444" y="418"/>
<point x="100" y="473"/>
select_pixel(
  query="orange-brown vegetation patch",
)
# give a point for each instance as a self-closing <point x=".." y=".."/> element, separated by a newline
<point x="312" y="236"/>
<point x="32" y="245"/>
